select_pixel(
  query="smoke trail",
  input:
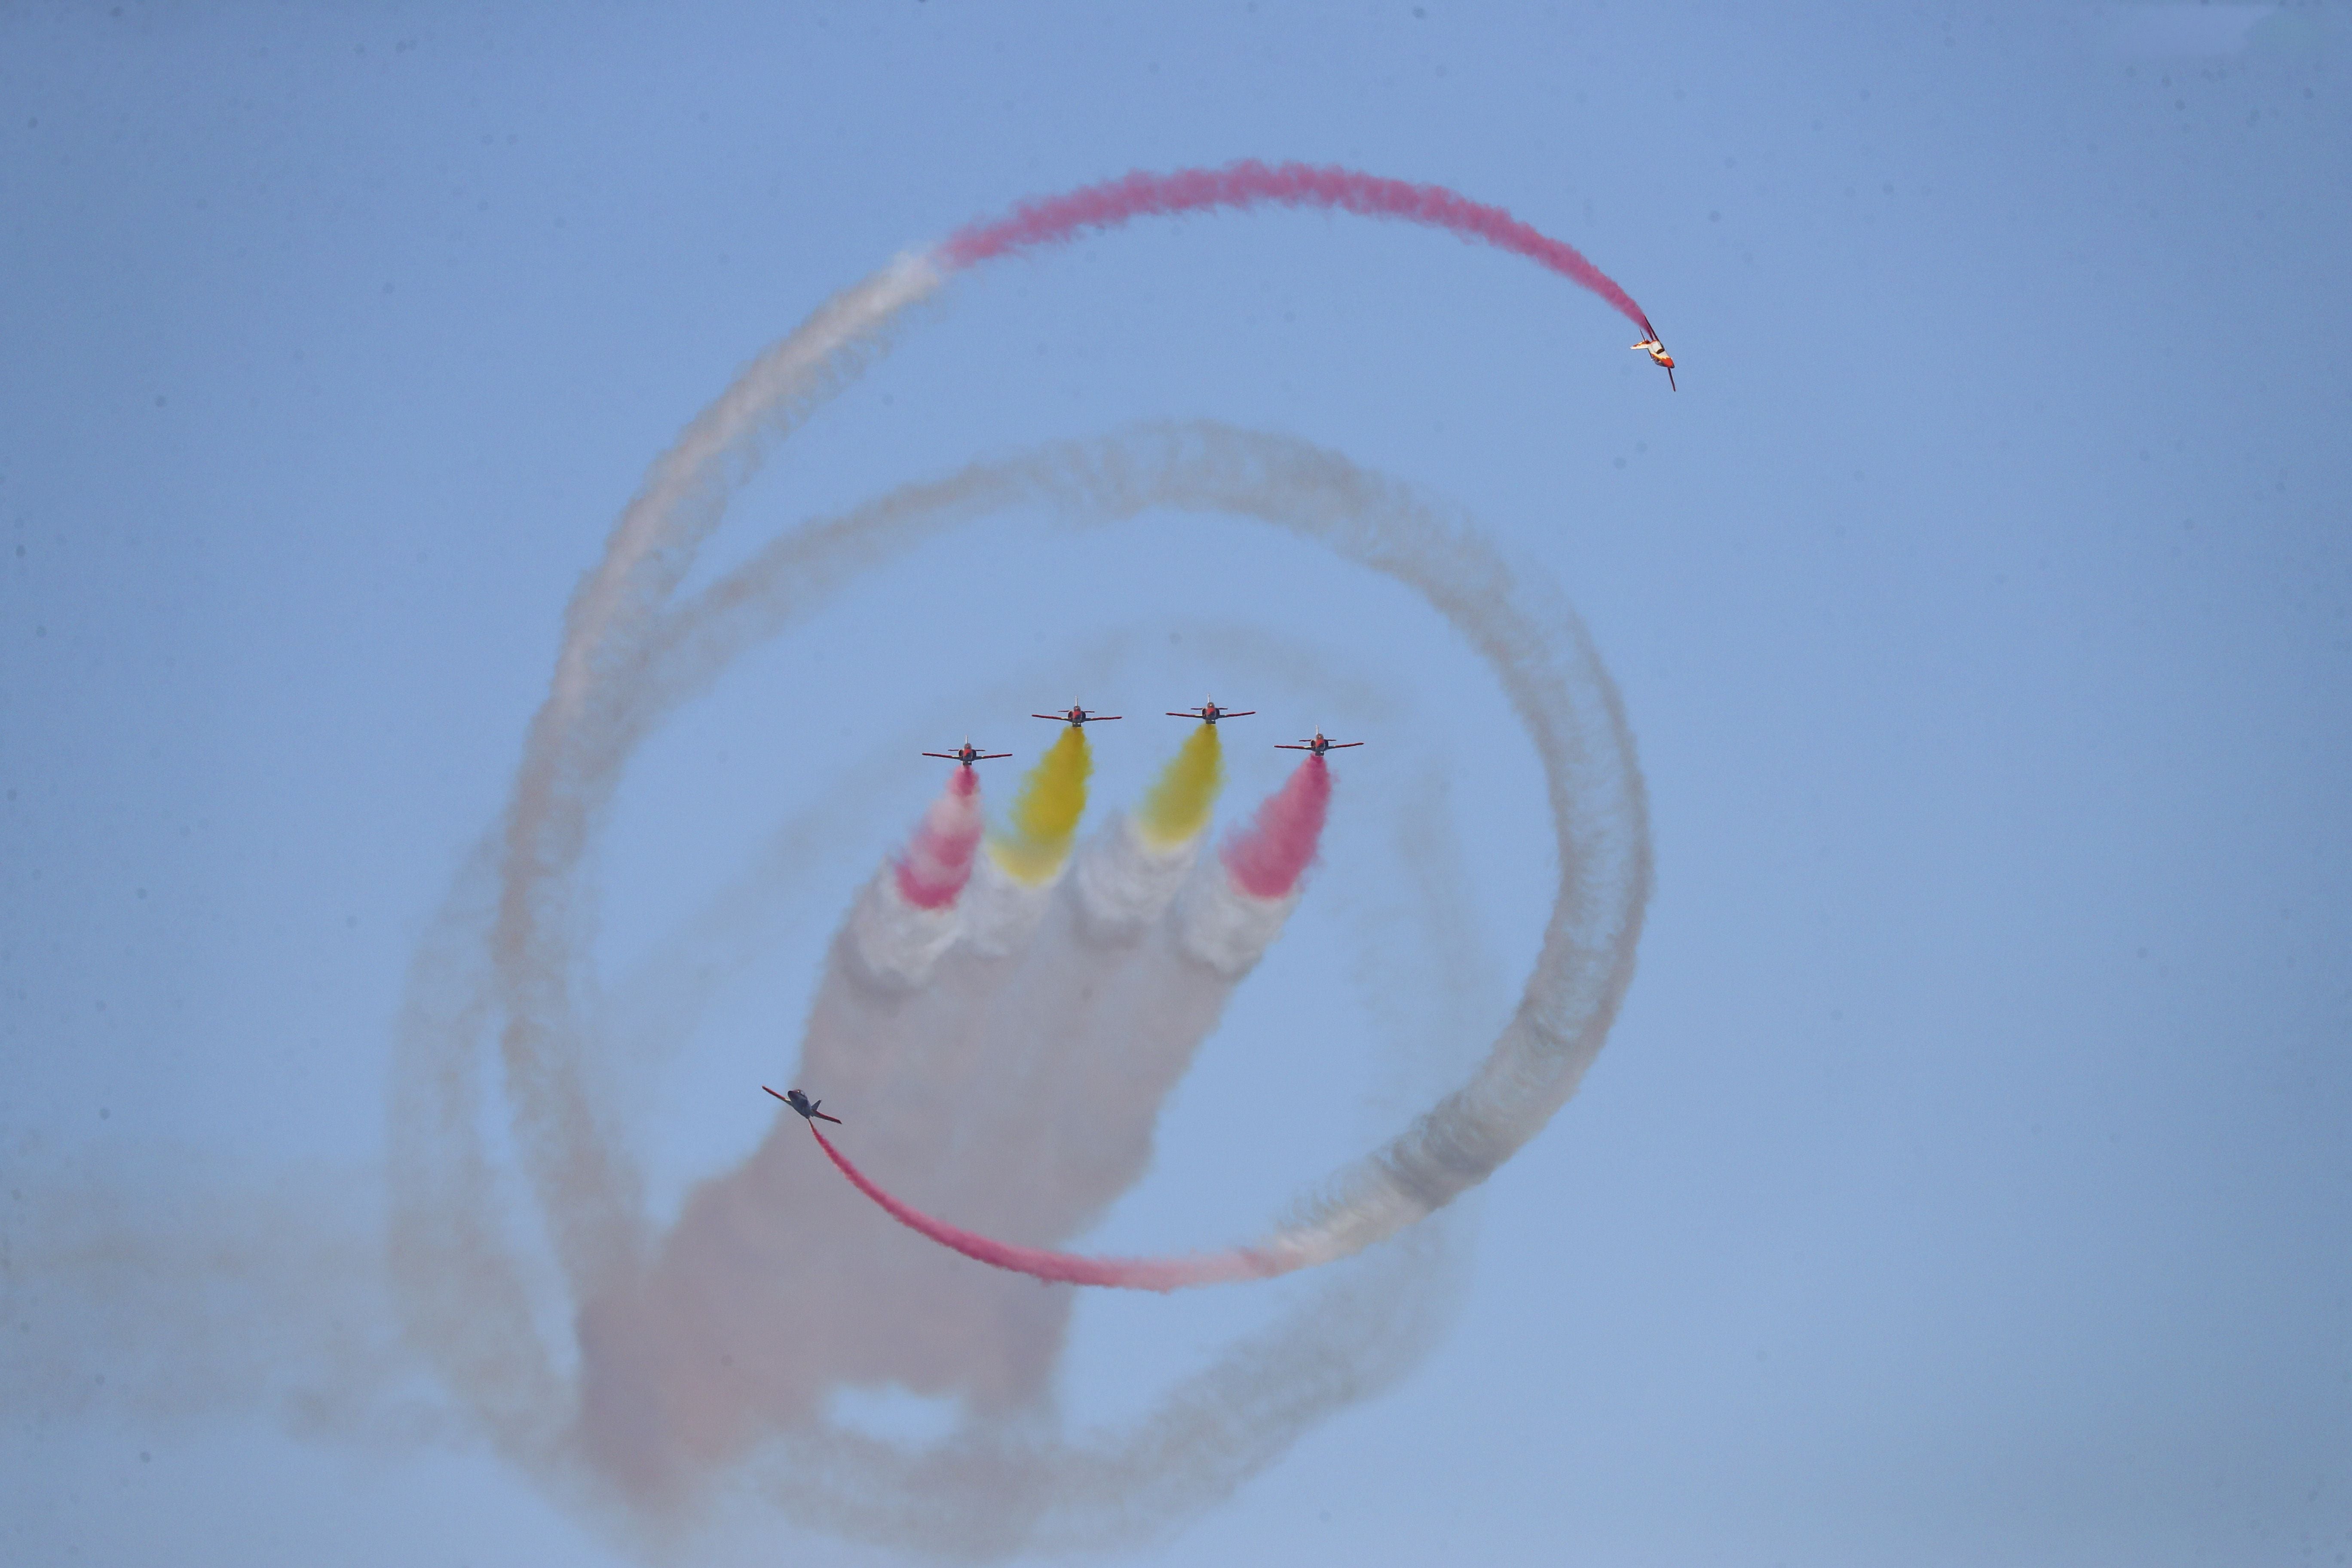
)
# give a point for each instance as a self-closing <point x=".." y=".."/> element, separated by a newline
<point x="906" y="918"/>
<point x="1045" y="814"/>
<point x="1178" y="806"/>
<point x="590" y="1196"/>
<point x="1266" y="861"/>
<point x="938" y="861"/>
<point x="1051" y="220"/>
<point x="1059" y="1267"/>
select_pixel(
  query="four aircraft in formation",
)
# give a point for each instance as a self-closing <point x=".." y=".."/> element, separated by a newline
<point x="1207" y="713"/>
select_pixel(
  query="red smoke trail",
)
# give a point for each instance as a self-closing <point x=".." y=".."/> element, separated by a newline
<point x="938" y="861"/>
<point x="1049" y="220"/>
<point x="1064" y="1268"/>
<point x="1266" y="862"/>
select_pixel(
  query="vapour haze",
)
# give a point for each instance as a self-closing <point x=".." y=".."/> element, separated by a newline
<point x="419" y="850"/>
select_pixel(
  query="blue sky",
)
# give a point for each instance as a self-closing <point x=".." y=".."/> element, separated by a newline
<point x="1966" y="1177"/>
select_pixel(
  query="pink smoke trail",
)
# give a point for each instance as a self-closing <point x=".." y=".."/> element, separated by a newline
<point x="1050" y="220"/>
<point x="1065" y="1267"/>
<point x="1266" y="861"/>
<point x="938" y="861"/>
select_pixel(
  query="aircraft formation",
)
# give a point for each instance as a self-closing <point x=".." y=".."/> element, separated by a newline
<point x="1208" y="712"/>
<point x="1075" y="716"/>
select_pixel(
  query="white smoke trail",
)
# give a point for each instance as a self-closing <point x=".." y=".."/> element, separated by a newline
<point x="1124" y="882"/>
<point x="897" y="943"/>
<point x="588" y="1196"/>
<point x="1227" y="929"/>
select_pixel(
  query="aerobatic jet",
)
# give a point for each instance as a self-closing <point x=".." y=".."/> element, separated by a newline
<point x="1318" y="745"/>
<point x="804" y="1105"/>
<point x="1209" y="712"/>
<point x="1658" y="356"/>
<point x="1077" y="716"/>
<point x="967" y="754"/>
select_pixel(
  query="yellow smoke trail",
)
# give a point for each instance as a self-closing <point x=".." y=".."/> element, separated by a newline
<point x="1177" y="807"/>
<point x="1045" y="814"/>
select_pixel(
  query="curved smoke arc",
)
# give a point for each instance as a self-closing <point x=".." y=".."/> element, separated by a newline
<point x="1053" y="220"/>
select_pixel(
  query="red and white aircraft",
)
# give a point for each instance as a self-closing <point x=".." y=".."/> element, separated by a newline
<point x="967" y="754"/>
<point x="1209" y="712"/>
<point x="1318" y="745"/>
<point x="1658" y="355"/>
<point x="1077" y="716"/>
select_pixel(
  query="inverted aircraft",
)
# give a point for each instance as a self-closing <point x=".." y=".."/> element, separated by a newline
<point x="1318" y="745"/>
<point x="1077" y="716"/>
<point x="804" y="1105"/>
<point x="1209" y="712"/>
<point x="967" y="754"/>
<point x="1658" y="356"/>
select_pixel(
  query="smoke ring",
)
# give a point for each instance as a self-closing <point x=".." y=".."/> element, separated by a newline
<point x="1535" y="644"/>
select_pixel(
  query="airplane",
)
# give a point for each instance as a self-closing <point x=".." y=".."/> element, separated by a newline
<point x="1076" y="716"/>
<point x="967" y="754"/>
<point x="1658" y="355"/>
<point x="1209" y="712"/>
<point x="1318" y="745"/>
<point x="804" y="1105"/>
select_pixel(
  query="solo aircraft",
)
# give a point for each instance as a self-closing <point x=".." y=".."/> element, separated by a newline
<point x="1658" y="356"/>
<point x="804" y="1105"/>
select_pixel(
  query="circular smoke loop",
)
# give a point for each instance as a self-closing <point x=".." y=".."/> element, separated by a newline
<point x="502" y="976"/>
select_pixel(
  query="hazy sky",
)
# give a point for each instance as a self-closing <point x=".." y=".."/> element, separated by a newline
<point x="1967" y="1178"/>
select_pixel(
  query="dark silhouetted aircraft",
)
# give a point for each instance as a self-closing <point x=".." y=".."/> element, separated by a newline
<point x="967" y="754"/>
<point x="1209" y="712"/>
<point x="1318" y="745"/>
<point x="804" y="1105"/>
